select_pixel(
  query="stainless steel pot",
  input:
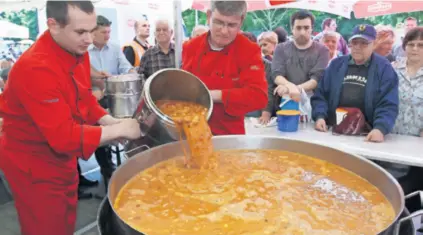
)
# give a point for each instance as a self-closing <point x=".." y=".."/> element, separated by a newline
<point x="123" y="93"/>
<point x="168" y="84"/>
<point x="360" y="166"/>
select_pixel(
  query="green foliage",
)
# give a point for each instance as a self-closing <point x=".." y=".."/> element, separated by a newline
<point x="260" y="21"/>
<point x="27" y="18"/>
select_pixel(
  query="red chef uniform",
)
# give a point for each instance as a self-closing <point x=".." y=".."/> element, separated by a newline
<point x="237" y="70"/>
<point x="48" y="111"/>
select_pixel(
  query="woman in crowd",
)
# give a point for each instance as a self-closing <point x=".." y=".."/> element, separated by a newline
<point x="330" y="40"/>
<point x="385" y="39"/>
<point x="410" y="118"/>
<point x="268" y="42"/>
<point x="265" y="114"/>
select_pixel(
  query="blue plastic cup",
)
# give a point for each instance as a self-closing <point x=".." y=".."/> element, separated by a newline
<point x="288" y="120"/>
<point x="288" y="104"/>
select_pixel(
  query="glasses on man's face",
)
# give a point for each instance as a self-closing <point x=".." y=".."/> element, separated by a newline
<point x="220" y="24"/>
<point x="412" y="45"/>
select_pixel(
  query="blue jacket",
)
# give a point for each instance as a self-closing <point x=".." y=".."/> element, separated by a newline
<point x="381" y="94"/>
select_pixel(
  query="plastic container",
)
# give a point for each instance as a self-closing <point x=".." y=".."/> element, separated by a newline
<point x="288" y="120"/>
<point x="288" y="104"/>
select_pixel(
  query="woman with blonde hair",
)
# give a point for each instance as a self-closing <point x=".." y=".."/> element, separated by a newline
<point x="330" y="39"/>
<point x="268" y="41"/>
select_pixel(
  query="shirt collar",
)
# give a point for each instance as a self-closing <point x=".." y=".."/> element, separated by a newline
<point x="92" y="47"/>
<point x="352" y="61"/>
<point x="156" y="48"/>
<point x="68" y="59"/>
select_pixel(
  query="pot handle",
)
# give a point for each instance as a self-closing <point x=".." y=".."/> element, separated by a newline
<point x="137" y="148"/>
<point x="411" y="216"/>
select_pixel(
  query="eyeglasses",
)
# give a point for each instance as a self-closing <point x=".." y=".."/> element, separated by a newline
<point x="220" y="24"/>
<point x="411" y="45"/>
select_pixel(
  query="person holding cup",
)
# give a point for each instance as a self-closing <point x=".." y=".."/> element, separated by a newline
<point x="300" y="63"/>
<point x="363" y="80"/>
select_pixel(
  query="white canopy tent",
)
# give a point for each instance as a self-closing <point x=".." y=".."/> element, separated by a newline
<point x="10" y="30"/>
<point x="169" y="9"/>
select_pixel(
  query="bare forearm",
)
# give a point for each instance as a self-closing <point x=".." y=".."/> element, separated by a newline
<point x="110" y="134"/>
<point x="309" y="85"/>
<point x="281" y="80"/>
<point x="108" y="120"/>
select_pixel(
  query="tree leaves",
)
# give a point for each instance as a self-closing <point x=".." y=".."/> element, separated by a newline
<point x="260" y="21"/>
<point x="27" y="18"/>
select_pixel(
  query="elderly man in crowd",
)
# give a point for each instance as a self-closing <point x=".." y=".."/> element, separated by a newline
<point x="161" y="55"/>
<point x="136" y="48"/>
<point x="230" y="65"/>
<point x="385" y="38"/>
<point x="299" y="64"/>
<point x="362" y="80"/>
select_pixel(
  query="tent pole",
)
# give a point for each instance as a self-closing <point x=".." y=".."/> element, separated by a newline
<point x="178" y="34"/>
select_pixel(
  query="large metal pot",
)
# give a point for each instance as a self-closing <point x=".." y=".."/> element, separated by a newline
<point x="123" y="93"/>
<point x="168" y="84"/>
<point x="360" y="166"/>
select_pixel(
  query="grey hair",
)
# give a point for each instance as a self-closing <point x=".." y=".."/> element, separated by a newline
<point x="327" y="34"/>
<point x="164" y="21"/>
<point x="229" y="8"/>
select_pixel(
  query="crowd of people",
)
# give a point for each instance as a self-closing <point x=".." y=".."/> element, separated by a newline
<point x="53" y="104"/>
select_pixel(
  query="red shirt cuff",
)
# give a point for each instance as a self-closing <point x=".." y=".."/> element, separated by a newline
<point x="91" y="136"/>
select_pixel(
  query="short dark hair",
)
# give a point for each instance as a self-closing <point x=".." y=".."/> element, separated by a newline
<point x="326" y="22"/>
<point x="58" y="10"/>
<point x="282" y="34"/>
<point x="250" y="36"/>
<point x="103" y="21"/>
<point x="414" y="34"/>
<point x="301" y="15"/>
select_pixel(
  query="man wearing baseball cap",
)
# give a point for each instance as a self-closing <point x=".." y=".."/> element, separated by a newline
<point x="363" y="80"/>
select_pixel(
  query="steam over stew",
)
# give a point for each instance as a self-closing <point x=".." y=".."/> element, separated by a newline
<point x="252" y="192"/>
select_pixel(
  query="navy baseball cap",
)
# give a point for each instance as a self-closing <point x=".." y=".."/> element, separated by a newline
<point x="364" y="31"/>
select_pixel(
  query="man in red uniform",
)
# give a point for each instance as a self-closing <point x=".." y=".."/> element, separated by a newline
<point x="49" y="114"/>
<point x="230" y="65"/>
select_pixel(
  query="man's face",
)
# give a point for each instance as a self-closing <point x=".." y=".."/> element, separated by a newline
<point x="143" y="29"/>
<point x="223" y="29"/>
<point x="332" y="26"/>
<point x="301" y="31"/>
<point x="102" y="35"/>
<point x="163" y="33"/>
<point x="384" y="43"/>
<point x="76" y="36"/>
<point x="361" y="49"/>
<point x="410" y="24"/>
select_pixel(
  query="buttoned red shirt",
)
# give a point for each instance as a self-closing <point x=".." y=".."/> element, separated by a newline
<point x="48" y="109"/>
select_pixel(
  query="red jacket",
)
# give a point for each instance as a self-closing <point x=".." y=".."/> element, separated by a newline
<point x="49" y="110"/>
<point x="238" y="71"/>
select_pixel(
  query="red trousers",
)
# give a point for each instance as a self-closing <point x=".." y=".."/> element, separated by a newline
<point x="45" y="199"/>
